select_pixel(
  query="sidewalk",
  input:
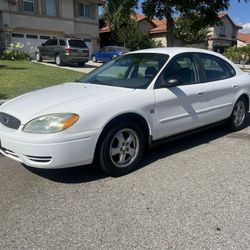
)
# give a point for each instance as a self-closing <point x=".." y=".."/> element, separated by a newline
<point x="88" y="67"/>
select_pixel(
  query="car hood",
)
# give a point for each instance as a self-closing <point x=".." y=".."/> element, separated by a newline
<point x="67" y="97"/>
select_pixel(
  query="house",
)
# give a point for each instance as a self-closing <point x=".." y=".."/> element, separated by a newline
<point x="155" y="29"/>
<point x="243" y="39"/>
<point x="223" y="35"/>
<point x="220" y="36"/>
<point x="32" y="22"/>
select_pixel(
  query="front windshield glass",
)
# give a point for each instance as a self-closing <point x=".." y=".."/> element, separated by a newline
<point x="129" y="71"/>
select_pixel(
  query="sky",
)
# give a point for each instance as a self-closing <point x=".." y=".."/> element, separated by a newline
<point x="239" y="13"/>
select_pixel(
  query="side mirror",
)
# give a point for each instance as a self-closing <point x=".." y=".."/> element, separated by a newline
<point x="172" y="82"/>
<point x="43" y="44"/>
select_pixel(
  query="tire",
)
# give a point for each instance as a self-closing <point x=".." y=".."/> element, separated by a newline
<point x="238" y="117"/>
<point x="38" y="57"/>
<point x="81" y="64"/>
<point x="122" y="149"/>
<point x="94" y="59"/>
<point x="58" y="60"/>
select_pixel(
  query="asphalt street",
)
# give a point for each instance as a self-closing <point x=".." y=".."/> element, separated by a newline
<point x="193" y="193"/>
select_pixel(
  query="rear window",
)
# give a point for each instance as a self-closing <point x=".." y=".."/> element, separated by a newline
<point x="77" y="43"/>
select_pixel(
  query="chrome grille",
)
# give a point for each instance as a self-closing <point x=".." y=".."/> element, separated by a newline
<point x="9" y="121"/>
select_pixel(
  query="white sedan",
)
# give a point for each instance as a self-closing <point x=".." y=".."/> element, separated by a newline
<point x="115" y="112"/>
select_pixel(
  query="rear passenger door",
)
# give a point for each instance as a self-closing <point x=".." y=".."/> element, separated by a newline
<point x="220" y="86"/>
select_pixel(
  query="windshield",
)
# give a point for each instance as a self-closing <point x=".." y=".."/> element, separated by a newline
<point x="129" y="71"/>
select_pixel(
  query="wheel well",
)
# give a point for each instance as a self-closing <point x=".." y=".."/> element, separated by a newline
<point x="131" y="117"/>
<point x="245" y="96"/>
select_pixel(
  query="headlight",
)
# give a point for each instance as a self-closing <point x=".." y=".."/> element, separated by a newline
<point x="51" y="123"/>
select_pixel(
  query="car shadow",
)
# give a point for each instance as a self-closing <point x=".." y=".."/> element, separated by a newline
<point x="74" y="175"/>
<point x="11" y="67"/>
<point x="83" y="174"/>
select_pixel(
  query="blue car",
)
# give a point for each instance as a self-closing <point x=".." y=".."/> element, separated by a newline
<point x="108" y="53"/>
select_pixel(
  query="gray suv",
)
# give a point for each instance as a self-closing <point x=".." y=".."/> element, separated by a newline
<point x="64" y="51"/>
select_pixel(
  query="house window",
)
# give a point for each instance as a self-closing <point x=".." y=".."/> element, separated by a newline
<point x="31" y="36"/>
<point x="17" y="35"/>
<point x="50" y="7"/>
<point x="28" y="5"/>
<point x="44" y="37"/>
<point x="84" y="10"/>
<point x="223" y="30"/>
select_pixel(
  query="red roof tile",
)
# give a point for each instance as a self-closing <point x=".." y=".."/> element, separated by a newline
<point x="161" y="26"/>
<point x="244" y="37"/>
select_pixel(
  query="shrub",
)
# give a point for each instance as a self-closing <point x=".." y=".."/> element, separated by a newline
<point x="14" y="53"/>
<point x="238" y="54"/>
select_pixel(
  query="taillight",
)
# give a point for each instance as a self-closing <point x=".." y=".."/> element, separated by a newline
<point x="68" y="50"/>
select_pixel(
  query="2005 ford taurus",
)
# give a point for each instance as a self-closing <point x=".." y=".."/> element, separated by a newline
<point x="116" y="111"/>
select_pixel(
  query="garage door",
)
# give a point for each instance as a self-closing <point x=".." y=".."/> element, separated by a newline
<point x="29" y="41"/>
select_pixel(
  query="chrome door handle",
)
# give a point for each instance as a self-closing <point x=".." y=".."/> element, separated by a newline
<point x="200" y="94"/>
<point x="235" y="86"/>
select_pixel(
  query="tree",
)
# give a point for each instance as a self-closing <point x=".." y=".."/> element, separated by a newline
<point x="117" y="13"/>
<point x="188" y="32"/>
<point x="204" y="12"/>
<point x="124" y="29"/>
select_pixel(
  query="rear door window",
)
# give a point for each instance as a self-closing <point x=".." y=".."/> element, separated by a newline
<point x="62" y="42"/>
<point x="215" y="68"/>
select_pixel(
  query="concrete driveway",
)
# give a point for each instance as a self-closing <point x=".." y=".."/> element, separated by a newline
<point x="89" y="66"/>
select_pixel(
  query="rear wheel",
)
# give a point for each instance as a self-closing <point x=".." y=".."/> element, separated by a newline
<point x="122" y="149"/>
<point x="58" y="60"/>
<point x="238" y="117"/>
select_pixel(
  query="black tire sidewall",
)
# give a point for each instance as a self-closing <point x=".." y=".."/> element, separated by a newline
<point x="104" y="158"/>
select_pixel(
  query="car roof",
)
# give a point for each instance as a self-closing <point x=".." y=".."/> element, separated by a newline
<point x="68" y="38"/>
<point x="174" y="51"/>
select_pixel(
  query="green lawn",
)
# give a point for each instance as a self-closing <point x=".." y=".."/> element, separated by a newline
<point x="20" y="77"/>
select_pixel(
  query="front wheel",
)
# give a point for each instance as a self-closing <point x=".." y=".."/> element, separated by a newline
<point x="238" y="117"/>
<point x="122" y="149"/>
<point x="38" y="57"/>
<point x="58" y="60"/>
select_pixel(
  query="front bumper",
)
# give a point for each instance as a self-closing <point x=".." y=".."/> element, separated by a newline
<point x="50" y="153"/>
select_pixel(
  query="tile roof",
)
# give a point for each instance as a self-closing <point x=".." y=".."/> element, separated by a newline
<point x="104" y="29"/>
<point x="244" y="37"/>
<point x="161" y="26"/>
<point x="223" y="14"/>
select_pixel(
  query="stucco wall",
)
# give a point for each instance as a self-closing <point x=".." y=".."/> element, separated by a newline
<point x="66" y="23"/>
